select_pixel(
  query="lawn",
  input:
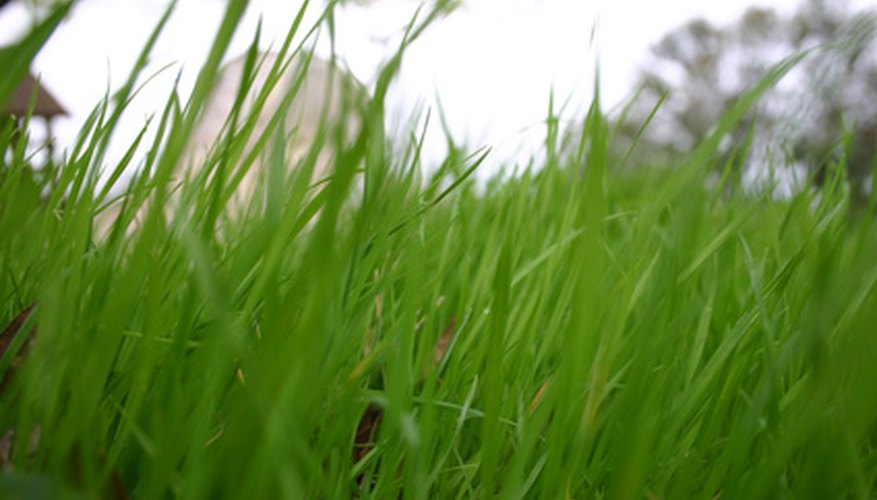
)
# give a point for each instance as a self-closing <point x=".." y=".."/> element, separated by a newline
<point x="574" y="331"/>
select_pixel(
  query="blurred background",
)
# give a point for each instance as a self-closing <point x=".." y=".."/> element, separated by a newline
<point x="493" y="64"/>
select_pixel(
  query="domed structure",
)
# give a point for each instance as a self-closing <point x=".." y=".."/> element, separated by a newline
<point x="318" y="102"/>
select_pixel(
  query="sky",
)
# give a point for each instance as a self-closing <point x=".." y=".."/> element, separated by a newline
<point x="492" y="63"/>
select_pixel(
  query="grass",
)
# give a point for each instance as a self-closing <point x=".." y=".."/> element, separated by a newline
<point x="577" y="331"/>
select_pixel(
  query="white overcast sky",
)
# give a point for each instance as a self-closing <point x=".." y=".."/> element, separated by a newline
<point x="493" y="62"/>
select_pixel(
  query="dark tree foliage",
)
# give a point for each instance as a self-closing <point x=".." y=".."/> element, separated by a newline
<point x="823" y="113"/>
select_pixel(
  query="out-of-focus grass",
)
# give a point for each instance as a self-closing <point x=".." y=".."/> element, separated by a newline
<point x="571" y="332"/>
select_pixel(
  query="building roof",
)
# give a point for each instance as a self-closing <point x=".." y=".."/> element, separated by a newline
<point x="46" y="106"/>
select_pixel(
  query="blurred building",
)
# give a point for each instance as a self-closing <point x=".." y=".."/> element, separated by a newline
<point x="46" y="107"/>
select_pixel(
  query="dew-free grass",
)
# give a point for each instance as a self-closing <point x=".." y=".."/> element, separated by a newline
<point x="576" y="331"/>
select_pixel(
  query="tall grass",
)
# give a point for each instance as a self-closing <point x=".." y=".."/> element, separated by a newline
<point x="573" y="332"/>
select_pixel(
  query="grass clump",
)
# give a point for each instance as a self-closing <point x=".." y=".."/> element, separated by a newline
<point x="575" y="331"/>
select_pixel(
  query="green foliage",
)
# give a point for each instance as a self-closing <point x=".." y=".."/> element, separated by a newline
<point x="576" y="331"/>
<point x="15" y="60"/>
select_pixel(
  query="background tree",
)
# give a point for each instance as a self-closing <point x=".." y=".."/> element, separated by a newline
<point x="829" y="100"/>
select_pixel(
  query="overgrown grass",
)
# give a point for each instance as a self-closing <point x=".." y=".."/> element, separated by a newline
<point x="574" y="332"/>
